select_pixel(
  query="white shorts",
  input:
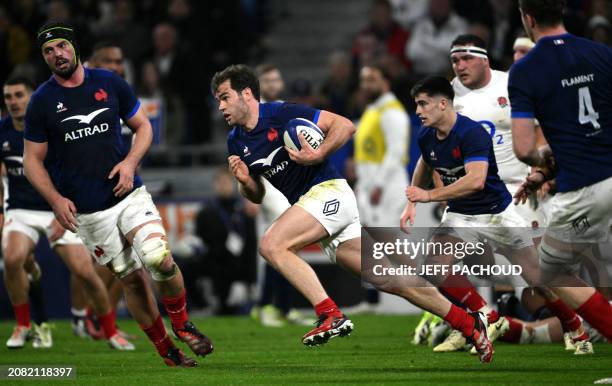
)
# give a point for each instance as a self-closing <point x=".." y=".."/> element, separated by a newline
<point x="333" y="204"/>
<point x="33" y="223"/>
<point x="501" y="230"/>
<point x="104" y="232"/>
<point x="583" y="215"/>
<point x="535" y="218"/>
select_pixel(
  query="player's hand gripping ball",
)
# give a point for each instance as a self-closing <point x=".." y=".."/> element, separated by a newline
<point x="311" y="132"/>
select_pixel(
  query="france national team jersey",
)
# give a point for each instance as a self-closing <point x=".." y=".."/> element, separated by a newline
<point x="262" y="150"/>
<point x="565" y="82"/>
<point x="82" y="127"/>
<point x="21" y="194"/>
<point x="467" y="142"/>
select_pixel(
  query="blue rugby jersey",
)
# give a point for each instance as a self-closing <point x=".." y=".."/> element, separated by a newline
<point x="21" y="194"/>
<point x="467" y="142"/>
<point x="83" y="130"/>
<point x="565" y="82"/>
<point x="262" y="150"/>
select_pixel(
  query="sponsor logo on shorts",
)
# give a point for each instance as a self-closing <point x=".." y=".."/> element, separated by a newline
<point x="331" y="207"/>
<point x="580" y="225"/>
<point x="98" y="251"/>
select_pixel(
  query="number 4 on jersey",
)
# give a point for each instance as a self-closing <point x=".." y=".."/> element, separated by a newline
<point x="586" y="112"/>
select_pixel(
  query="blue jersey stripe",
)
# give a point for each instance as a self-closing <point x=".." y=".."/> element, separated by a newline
<point x="134" y="111"/>
<point x="522" y="114"/>
<point x="473" y="159"/>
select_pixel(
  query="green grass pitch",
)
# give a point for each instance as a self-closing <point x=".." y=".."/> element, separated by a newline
<point x="378" y="352"/>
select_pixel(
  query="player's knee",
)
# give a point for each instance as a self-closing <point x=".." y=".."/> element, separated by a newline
<point x="270" y="246"/>
<point x="151" y="245"/>
<point x="13" y="259"/>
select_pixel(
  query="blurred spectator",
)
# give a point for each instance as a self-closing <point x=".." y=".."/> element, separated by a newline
<point x="28" y="14"/>
<point x="182" y="85"/>
<point x="301" y="92"/>
<point x="151" y="97"/>
<point x="130" y="33"/>
<point x="271" y="84"/>
<point x="387" y="31"/>
<point x="408" y="12"/>
<point x="599" y="30"/>
<point x="336" y="91"/>
<point x="432" y="36"/>
<point x="229" y="237"/>
<point x="475" y="11"/>
<point x="15" y="45"/>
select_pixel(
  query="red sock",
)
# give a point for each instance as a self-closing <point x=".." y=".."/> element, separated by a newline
<point x="22" y="314"/>
<point x="598" y="312"/>
<point x="568" y="317"/>
<point x="157" y="334"/>
<point x="460" y="320"/>
<point x="107" y="322"/>
<point x="176" y="307"/>
<point x="460" y="289"/>
<point x="513" y="335"/>
<point x="327" y="306"/>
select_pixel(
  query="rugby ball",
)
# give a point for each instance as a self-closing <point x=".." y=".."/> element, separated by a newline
<point x="312" y="134"/>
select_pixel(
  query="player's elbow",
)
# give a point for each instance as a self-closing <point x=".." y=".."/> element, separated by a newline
<point x="478" y="183"/>
<point x="522" y="153"/>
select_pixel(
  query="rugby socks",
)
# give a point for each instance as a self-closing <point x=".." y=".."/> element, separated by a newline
<point x="460" y="320"/>
<point x="107" y="322"/>
<point x="176" y="307"/>
<point x="568" y="317"/>
<point x="158" y="336"/>
<point x="597" y="311"/>
<point x="513" y="335"/>
<point x="328" y="307"/>
<point x="461" y="290"/>
<point x="22" y="314"/>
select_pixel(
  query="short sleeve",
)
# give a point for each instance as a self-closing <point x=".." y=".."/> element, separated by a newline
<point x="289" y="111"/>
<point x="520" y="93"/>
<point x="128" y="103"/>
<point x="35" y="127"/>
<point x="476" y="145"/>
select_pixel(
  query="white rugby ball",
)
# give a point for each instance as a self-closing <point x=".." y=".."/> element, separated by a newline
<point x="312" y="134"/>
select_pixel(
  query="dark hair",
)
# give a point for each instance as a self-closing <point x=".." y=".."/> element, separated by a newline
<point x="265" y="68"/>
<point x="433" y="86"/>
<point x="382" y="69"/>
<point x="18" y="79"/>
<point x="104" y="44"/>
<point x="547" y="13"/>
<point x="469" y="39"/>
<point x="240" y="77"/>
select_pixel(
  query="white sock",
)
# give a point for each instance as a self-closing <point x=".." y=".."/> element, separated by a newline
<point x="541" y="334"/>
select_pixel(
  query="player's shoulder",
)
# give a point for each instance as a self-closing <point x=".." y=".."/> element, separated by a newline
<point x="499" y="77"/>
<point x="6" y="124"/>
<point x="270" y="109"/>
<point x="100" y="73"/>
<point x="466" y="125"/>
<point x="44" y="89"/>
<point x="425" y="132"/>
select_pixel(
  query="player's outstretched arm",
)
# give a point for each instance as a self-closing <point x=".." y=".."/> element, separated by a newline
<point x="252" y="189"/>
<point x="140" y="125"/>
<point x="421" y="178"/>
<point x="33" y="164"/>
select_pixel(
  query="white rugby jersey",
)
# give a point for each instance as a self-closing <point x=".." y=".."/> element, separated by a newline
<point x="490" y="106"/>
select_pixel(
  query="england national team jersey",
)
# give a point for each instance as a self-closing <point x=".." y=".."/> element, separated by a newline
<point x="262" y="150"/>
<point x="83" y="129"/>
<point x="467" y="142"/>
<point x="21" y="194"/>
<point x="565" y="82"/>
<point x="490" y="106"/>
